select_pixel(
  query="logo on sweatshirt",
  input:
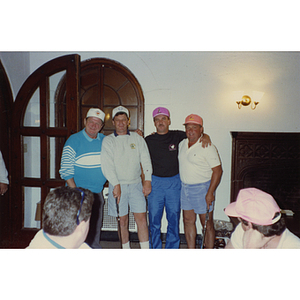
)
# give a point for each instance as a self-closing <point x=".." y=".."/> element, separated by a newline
<point x="132" y="146"/>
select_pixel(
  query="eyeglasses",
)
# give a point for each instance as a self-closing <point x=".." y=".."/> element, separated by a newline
<point x="82" y="198"/>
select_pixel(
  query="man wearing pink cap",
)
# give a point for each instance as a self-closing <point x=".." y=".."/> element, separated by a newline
<point x="166" y="185"/>
<point x="200" y="173"/>
<point x="261" y="224"/>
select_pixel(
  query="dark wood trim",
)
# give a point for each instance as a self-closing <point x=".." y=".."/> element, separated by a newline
<point x="6" y="102"/>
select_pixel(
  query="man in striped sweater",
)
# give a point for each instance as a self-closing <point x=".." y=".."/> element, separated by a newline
<point x="81" y="167"/>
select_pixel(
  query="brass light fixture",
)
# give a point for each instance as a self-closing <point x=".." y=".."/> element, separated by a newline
<point x="246" y="100"/>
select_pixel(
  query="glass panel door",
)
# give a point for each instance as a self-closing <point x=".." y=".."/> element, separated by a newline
<point x="32" y="114"/>
<point x="32" y="207"/>
<point x="54" y="107"/>
<point x="40" y="127"/>
<point x="32" y="153"/>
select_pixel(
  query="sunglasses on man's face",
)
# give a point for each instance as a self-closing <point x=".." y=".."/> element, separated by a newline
<point x="82" y="198"/>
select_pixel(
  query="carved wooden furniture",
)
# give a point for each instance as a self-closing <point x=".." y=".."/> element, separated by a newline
<point x="271" y="162"/>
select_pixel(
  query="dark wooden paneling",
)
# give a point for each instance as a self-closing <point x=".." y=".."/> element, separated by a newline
<point x="271" y="162"/>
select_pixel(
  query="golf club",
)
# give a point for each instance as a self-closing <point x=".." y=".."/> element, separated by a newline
<point x="148" y="224"/>
<point x="204" y="228"/>
<point x="118" y="218"/>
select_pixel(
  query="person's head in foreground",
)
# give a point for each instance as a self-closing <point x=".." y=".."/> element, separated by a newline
<point x="261" y="224"/>
<point x="66" y="219"/>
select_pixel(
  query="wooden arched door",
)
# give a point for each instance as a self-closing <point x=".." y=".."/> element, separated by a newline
<point x="105" y="83"/>
<point x="49" y="107"/>
<point x="35" y="136"/>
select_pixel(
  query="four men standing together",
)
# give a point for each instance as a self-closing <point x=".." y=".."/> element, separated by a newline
<point x="124" y="158"/>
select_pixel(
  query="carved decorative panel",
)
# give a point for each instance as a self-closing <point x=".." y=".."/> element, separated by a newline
<point x="270" y="162"/>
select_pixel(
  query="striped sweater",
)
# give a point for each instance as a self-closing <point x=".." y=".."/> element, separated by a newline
<point x="81" y="160"/>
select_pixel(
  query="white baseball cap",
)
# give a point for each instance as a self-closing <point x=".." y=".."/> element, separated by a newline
<point x="96" y="112"/>
<point x="120" y="109"/>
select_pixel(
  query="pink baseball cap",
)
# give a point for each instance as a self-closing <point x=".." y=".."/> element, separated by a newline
<point x="255" y="206"/>
<point x="193" y="119"/>
<point x="161" y="111"/>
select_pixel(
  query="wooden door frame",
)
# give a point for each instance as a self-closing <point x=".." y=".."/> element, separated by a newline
<point x="6" y="102"/>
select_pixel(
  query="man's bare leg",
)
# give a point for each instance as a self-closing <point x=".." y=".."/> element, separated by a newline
<point x="142" y="227"/>
<point x="190" y="230"/>
<point x="124" y="221"/>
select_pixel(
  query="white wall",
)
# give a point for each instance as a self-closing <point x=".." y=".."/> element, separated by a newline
<point x="203" y="83"/>
<point x="17" y="66"/>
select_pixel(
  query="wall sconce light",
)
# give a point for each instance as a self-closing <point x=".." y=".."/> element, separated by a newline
<point x="246" y="99"/>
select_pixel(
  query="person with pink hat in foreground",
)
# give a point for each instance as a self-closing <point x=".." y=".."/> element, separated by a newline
<point x="200" y="172"/>
<point x="261" y="224"/>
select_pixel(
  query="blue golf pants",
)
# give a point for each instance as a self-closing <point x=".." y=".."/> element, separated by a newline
<point x="165" y="193"/>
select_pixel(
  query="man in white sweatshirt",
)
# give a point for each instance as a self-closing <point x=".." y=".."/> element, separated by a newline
<point x="123" y="155"/>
